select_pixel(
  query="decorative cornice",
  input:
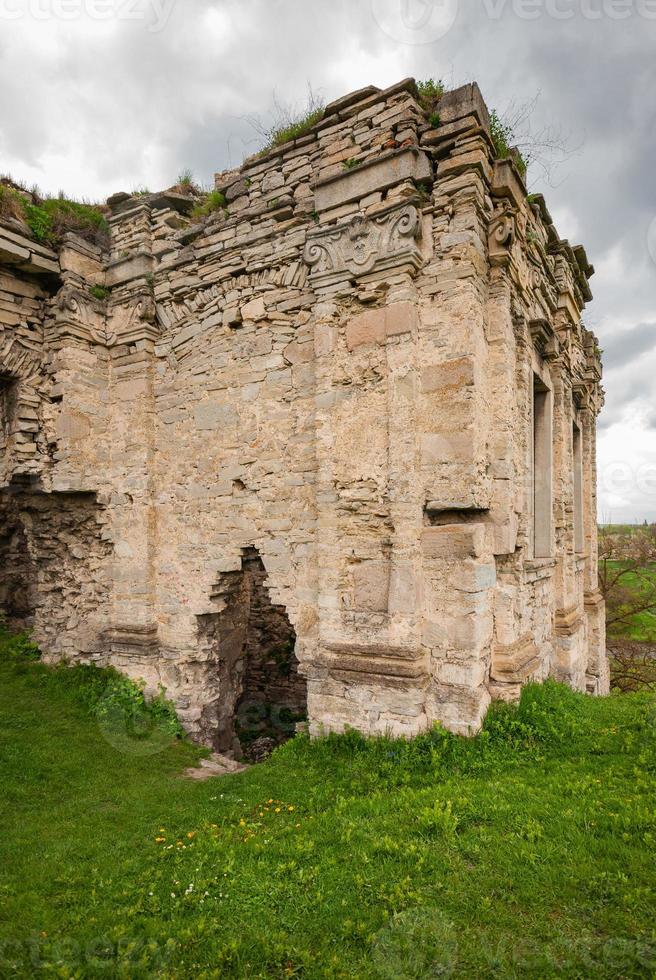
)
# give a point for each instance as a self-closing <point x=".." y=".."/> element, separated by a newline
<point x="364" y="245"/>
<point x="75" y="315"/>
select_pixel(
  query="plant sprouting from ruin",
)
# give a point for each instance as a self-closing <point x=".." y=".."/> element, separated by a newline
<point x="289" y="121"/>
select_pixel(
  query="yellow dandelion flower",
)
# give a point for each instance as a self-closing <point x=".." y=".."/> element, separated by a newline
<point x="269" y="801"/>
<point x="160" y="840"/>
<point x="277" y="809"/>
<point x="191" y="834"/>
<point x="290" y="808"/>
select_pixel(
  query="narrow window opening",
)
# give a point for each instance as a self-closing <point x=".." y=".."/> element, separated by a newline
<point x="577" y="462"/>
<point x="542" y="469"/>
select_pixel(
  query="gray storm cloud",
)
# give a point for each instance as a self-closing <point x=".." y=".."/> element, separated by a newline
<point x="94" y="106"/>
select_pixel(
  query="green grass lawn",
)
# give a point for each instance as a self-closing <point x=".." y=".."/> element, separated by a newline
<point x="525" y="852"/>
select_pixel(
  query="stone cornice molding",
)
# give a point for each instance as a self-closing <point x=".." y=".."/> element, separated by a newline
<point x="364" y="245"/>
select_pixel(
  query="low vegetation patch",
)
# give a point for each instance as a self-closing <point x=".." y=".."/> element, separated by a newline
<point x="430" y="92"/>
<point x="289" y="122"/>
<point x="208" y="204"/>
<point x="522" y="852"/>
<point x="49" y="218"/>
<point x="100" y="292"/>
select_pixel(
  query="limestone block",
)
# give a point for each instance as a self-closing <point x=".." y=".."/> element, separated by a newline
<point x="459" y="708"/>
<point x="376" y="325"/>
<point x="403" y="588"/>
<point x="457" y="373"/>
<point x="453" y="541"/>
<point x="366" y="328"/>
<point x="380" y="174"/>
<point x="273" y="179"/>
<point x="464" y="101"/>
<point x="441" y="447"/>
<point x="371" y="585"/>
<point x="211" y="414"/>
<point x="253" y="310"/>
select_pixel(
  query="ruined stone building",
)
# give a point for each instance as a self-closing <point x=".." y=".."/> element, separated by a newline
<point x="328" y="451"/>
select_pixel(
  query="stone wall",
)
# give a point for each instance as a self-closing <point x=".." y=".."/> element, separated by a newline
<point x="337" y="370"/>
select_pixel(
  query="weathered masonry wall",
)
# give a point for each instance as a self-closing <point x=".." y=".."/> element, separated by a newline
<point x="369" y="372"/>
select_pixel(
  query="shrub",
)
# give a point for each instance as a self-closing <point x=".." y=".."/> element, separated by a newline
<point x="11" y="202"/>
<point x="503" y="138"/>
<point x="100" y="292"/>
<point x="186" y="179"/>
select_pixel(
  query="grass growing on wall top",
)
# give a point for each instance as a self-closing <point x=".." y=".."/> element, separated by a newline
<point x="525" y="851"/>
<point x="49" y="218"/>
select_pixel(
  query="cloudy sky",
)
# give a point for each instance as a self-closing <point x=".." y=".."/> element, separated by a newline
<point x="102" y="95"/>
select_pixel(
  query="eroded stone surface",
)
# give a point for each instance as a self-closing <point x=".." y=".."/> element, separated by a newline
<point x="336" y="373"/>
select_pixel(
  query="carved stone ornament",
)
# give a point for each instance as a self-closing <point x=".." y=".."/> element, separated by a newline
<point x="545" y="339"/>
<point x="501" y="238"/>
<point x="76" y="316"/>
<point x="365" y="244"/>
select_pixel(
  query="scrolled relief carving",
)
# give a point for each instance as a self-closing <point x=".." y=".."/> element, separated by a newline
<point x="365" y="244"/>
<point x="135" y="319"/>
<point x="501" y="238"/>
<point x="74" y="313"/>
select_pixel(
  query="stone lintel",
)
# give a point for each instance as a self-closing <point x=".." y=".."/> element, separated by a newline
<point x="137" y="640"/>
<point x="27" y="255"/>
<point x="507" y="182"/>
<point x="378" y="174"/>
<point x="135" y="266"/>
<point x="380" y="660"/>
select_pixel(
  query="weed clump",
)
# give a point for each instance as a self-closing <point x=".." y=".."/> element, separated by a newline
<point x="208" y="204"/>
<point x="503" y="138"/>
<point x="430" y="92"/>
<point x="100" y="292"/>
<point x="289" y="122"/>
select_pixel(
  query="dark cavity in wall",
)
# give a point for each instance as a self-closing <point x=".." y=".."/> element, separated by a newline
<point x="51" y="557"/>
<point x="261" y="694"/>
<point x="17" y="577"/>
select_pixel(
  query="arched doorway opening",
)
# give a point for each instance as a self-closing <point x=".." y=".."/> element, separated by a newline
<point x="262" y="697"/>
